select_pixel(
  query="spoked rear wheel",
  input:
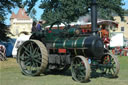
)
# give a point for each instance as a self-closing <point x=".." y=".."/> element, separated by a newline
<point x="32" y="57"/>
<point x="80" y="69"/>
<point x="111" y="65"/>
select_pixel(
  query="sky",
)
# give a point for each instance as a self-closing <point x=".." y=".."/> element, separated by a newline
<point x="126" y="4"/>
<point x="40" y="11"/>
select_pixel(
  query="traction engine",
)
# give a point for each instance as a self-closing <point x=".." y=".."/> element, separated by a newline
<point x="58" y="49"/>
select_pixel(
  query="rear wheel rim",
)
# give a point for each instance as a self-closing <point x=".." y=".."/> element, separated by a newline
<point x="32" y="57"/>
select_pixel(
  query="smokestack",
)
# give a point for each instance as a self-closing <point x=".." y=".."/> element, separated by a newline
<point x="93" y="16"/>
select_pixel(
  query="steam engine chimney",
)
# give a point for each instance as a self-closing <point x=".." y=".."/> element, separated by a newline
<point x="93" y="16"/>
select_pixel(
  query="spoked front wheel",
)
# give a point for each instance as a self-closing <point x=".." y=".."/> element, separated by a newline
<point x="80" y="69"/>
<point x="111" y="65"/>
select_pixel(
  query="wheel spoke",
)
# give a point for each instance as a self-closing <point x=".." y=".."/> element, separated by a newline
<point x="113" y="63"/>
<point x="31" y="47"/>
<point x="38" y="61"/>
<point x="26" y="49"/>
<point x="38" y="50"/>
<point x="106" y="70"/>
<point x="110" y="72"/>
<point x="35" y="51"/>
<point x="36" y="64"/>
<point x="82" y="73"/>
<point x="37" y="56"/>
<point x="26" y="61"/>
<point x="27" y="53"/>
<point x="113" y="70"/>
<point x="23" y="57"/>
<point x="30" y="67"/>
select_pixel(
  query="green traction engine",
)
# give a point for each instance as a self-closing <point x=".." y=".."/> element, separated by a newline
<point x="56" y="50"/>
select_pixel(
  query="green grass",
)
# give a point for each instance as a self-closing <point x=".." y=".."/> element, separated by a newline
<point x="10" y="75"/>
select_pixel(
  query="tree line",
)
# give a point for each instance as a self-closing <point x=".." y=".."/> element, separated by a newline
<point x="65" y="10"/>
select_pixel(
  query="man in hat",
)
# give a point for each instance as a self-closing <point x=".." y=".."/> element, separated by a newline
<point x="39" y="26"/>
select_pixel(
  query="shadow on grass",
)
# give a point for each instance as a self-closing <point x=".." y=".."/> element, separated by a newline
<point x="64" y="73"/>
<point x="95" y="74"/>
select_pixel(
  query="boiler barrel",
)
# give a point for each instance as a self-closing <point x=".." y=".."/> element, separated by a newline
<point x="69" y="43"/>
<point x="92" y="45"/>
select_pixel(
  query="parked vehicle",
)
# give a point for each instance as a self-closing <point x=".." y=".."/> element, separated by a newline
<point x="18" y="42"/>
<point x="9" y="46"/>
<point x="116" y="39"/>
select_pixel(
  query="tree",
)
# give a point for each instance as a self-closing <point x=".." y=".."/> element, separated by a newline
<point x="108" y="8"/>
<point x="65" y="10"/>
<point x="3" y="32"/>
<point x="29" y="4"/>
<point x="5" y="8"/>
<point x="33" y="14"/>
<point x="71" y="10"/>
<point x="68" y="10"/>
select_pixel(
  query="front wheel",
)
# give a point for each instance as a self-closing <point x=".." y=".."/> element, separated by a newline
<point x="111" y="65"/>
<point x="80" y="69"/>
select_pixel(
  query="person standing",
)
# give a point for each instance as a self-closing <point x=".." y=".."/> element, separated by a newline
<point x="104" y="32"/>
<point x="39" y="28"/>
<point x="105" y="36"/>
<point x="34" y="29"/>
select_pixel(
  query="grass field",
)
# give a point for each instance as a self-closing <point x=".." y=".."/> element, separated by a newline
<point x="10" y="75"/>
